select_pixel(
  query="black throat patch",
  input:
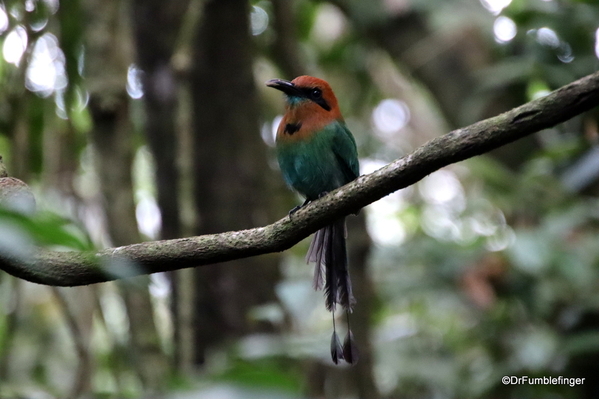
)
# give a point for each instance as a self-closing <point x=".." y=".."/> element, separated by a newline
<point x="291" y="128"/>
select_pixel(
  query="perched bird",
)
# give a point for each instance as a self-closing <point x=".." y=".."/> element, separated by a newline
<point x="317" y="154"/>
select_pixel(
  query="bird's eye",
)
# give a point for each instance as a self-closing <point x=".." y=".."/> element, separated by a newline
<point x="316" y="94"/>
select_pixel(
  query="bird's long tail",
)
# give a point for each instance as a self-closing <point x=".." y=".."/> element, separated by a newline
<point x="329" y="253"/>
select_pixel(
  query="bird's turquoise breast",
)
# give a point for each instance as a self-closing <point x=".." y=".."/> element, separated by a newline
<point x="311" y="166"/>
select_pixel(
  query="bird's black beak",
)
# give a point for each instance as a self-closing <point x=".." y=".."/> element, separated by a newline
<point x="286" y="87"/>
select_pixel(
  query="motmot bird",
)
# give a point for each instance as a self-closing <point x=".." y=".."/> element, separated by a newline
<point x="317" y="154"/>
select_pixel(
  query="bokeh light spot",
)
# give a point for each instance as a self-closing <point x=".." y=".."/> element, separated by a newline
<point x="275" y="126"/>
<point x="390" y="116"/>
<point x="548" y="37"/>
<point x="29" y="5"/>
<point x="384" y="223"/>
<point x="46" y="71"/>
<point x="149" y="219"/>
<point x="52" y="5"/>
<point x="15" y="45"/>
<point x="441" y="187"/>
<point x="329" y="25"/>
<point x="134" y="85"/>
<point x="564" y="53"/>
<point x="38" y="25"/>
<point x="504" y="29"/>
<point x="495" y="6"/>
<point x="258" y="20"/>
<point x="3" y="20"/>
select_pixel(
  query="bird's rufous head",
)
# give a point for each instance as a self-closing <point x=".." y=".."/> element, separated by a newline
<point x="311" y="102"/>
<point x="305" y="89"/>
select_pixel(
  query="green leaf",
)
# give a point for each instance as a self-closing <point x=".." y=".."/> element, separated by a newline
<point x="47" y="229"/>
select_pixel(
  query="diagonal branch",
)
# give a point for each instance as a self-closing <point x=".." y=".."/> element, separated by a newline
<point x="80" y="268"/>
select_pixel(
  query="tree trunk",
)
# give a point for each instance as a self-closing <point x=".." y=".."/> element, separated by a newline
<point x="285" y="49"/>
<point x="232" y="178"/>
<point x="156" y="26"/>
<point x="109" y="57"/>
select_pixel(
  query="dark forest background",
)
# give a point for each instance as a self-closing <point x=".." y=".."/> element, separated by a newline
<point x="146" y="119"/>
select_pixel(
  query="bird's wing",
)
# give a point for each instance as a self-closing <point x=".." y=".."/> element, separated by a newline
<point x="344" y="147"/>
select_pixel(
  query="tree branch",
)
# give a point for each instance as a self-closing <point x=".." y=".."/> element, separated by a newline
<point x="80" y="268"/>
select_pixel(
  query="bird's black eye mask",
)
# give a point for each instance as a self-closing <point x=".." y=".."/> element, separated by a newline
<point x="297" y="94"/>
<point x="315" y="94"/>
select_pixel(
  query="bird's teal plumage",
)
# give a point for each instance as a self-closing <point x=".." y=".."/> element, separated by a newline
<point x="321" y="162"/>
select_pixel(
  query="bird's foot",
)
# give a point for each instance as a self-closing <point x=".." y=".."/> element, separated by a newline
<point x="297" y="208"/>
<point x="306" y="202"/>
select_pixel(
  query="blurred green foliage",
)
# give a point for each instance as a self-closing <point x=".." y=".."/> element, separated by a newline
<point x="44" y="229"/>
